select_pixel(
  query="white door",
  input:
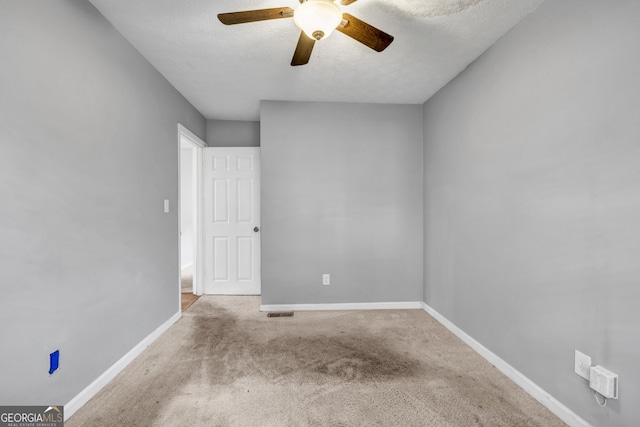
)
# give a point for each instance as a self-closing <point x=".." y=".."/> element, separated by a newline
<point x="232" y="220"/>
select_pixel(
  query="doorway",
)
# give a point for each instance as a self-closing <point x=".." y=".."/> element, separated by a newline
<point x="190" y="149"/>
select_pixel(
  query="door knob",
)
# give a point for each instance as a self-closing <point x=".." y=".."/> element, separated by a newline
<point x="256" y="229"/>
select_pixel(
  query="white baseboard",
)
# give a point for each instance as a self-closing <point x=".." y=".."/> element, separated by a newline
<point x="551" y="403"/>
<point x="402" y="305"/>
<point x="92" y="389"/>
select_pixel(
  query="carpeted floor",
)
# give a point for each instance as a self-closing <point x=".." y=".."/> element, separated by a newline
<point x="226" y="364"/>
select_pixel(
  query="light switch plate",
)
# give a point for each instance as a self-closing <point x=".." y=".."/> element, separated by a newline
<point x="166" y="206"/>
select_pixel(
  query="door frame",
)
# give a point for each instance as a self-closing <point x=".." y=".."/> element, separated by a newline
<point x="189" y="138"/>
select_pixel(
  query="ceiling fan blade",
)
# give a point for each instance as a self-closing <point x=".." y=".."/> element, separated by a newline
<point x="255" y="15"/>
<point x="303" y="50"/>
<point x="366" y="34"/>
<point x="347" y="2"/>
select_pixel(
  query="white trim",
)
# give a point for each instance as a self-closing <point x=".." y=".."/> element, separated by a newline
<point x="191" y="136"/>
<point x="402" y="305"/>
<point x="551" y="403"/>
<point x="185" y="135"/>
<point x="92" y="389"/>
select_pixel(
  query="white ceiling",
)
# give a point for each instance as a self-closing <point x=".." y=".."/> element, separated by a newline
<point x="224" y="71"/>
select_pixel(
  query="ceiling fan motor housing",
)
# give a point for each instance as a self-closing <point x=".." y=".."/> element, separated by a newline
<point x="317" y="18"/>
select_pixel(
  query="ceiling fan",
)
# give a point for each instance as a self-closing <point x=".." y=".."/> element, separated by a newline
<point x="317" y="19"/>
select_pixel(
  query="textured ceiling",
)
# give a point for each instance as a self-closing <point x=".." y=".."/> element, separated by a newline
<point x="224" y="71"/>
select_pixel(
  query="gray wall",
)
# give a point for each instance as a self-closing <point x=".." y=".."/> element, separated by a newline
<point x="532" y="200"/>
<point x="341" y="194"/>
<point x="233" y="133"/>
<point x="88" y="152"/>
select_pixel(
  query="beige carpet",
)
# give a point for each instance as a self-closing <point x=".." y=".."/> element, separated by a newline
<point x="226" y="364"/>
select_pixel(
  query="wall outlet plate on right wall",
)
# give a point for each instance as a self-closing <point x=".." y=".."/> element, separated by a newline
<point x="582" y="365"/>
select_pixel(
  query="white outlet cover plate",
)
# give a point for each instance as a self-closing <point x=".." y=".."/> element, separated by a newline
<point x="582" y="365"/>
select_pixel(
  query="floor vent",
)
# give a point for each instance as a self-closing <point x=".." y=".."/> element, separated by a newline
<point x="280" y="314"/>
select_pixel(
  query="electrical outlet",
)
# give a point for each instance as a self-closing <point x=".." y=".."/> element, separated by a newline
<point x="604" y="382"/>
<point x="582" y="365"/>
<point x="326" y="279"/>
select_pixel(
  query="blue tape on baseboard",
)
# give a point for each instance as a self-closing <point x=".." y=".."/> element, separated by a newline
<point x="54" y="360"/>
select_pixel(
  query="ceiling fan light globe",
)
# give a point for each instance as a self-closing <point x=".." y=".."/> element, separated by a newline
<point x="317" y="18"/>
